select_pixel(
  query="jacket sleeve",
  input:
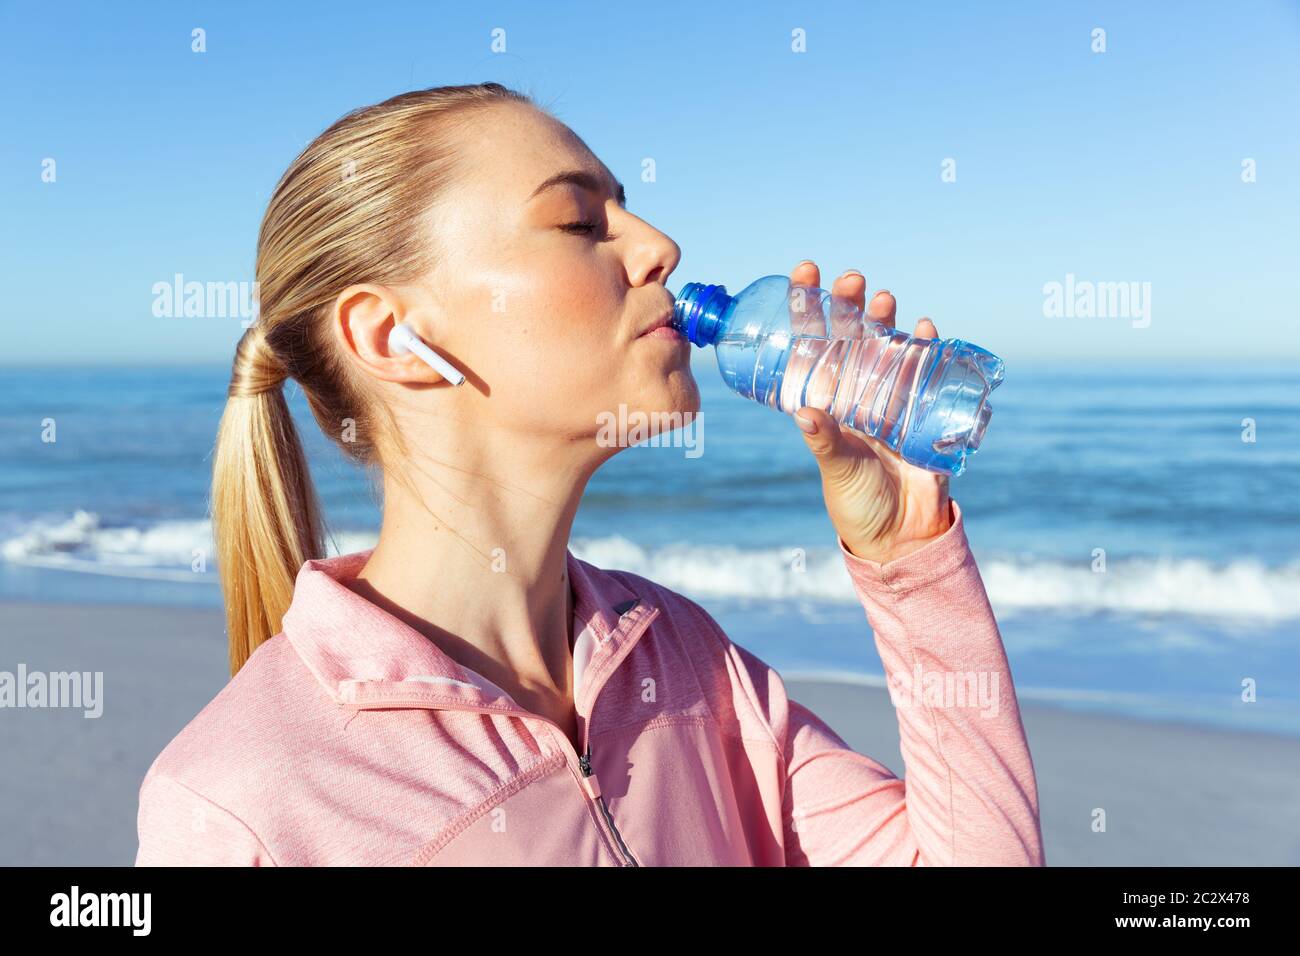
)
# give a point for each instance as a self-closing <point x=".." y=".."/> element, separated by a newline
<point x="969" y="796"/>
<point x="179" y="827"/>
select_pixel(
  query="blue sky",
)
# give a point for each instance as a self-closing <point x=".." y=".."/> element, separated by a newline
<point x="1115" y="167"/>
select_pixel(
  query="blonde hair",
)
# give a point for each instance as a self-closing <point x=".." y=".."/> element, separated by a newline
<point x="347" y="210"/>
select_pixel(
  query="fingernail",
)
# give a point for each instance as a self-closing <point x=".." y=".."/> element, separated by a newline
<point x="851" y="272"/>
<point x="804" y="262"/>
<point x="809" y="426"/>
<point x="880" y="293"/>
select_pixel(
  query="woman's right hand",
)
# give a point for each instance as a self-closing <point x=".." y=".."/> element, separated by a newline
<point x="881" y="506"/>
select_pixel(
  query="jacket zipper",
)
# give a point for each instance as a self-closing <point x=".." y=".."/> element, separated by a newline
<point x="584" y="761"/>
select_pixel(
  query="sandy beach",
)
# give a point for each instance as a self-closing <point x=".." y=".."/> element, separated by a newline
<point x="1173" y="794"/>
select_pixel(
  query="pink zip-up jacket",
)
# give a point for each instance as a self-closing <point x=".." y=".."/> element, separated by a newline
<point x="350" y="739"/>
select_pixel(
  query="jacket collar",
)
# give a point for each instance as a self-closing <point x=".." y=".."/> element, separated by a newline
<point x="365" y="657"/>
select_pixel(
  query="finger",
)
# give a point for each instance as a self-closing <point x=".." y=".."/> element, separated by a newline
<point x="805" y="308"/>
<point x="925" y="329"/>
<point x="883" y="308"/>
<point x="851" y="285"/>
<point x="806" y="273"/>
<point x="848" y="301"/>
<point x="821" y="434"/>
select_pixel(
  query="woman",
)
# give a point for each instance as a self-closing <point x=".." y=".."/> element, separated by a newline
<point x="467" y="691"/>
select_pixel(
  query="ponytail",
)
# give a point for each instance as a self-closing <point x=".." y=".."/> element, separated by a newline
<point x="266" y="518"/>
<point x="347" y="210"/>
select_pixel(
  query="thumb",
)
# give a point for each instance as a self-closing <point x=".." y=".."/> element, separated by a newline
<point x="822" y="435"/>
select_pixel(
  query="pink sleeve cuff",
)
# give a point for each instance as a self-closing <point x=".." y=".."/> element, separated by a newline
<point x="931" y="562"/>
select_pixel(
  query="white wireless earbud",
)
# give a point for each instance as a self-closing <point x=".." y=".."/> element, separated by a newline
<point x="403" y="339"/>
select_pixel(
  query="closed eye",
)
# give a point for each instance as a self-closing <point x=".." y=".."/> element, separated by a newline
<point x="583" y="228"/>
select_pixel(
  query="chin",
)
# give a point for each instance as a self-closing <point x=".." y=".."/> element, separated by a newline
<point x="679" y="393"/>
<point x="661" y="407"/>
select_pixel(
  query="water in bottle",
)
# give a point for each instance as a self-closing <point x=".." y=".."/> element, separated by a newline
<point x="787" y="346"/>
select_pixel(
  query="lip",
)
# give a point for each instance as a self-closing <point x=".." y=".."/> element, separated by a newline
<point x="665" y="332"/>
<point x="663" y="322"/>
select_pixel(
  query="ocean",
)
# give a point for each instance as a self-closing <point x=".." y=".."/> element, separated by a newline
<point x="1137" y="527"/>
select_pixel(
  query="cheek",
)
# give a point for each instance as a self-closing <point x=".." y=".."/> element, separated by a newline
<point x="545" y="295"/>
<point x="545" y="336"/>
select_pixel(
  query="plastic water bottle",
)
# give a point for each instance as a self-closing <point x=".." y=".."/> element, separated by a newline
<point x="787" y="346"/>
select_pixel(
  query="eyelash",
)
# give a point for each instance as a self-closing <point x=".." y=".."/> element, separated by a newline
<point x="584" y="228"/>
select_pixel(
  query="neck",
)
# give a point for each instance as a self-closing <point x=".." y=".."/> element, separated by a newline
<point x="475" y="558"/>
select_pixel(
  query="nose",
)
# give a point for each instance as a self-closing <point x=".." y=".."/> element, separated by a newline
<point x="652" y="255"/>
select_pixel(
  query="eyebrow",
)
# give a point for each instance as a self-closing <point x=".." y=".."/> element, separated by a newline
<point x="583" y="180"/>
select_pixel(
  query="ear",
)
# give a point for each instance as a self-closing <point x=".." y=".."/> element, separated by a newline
<point x="364" y="315"/>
